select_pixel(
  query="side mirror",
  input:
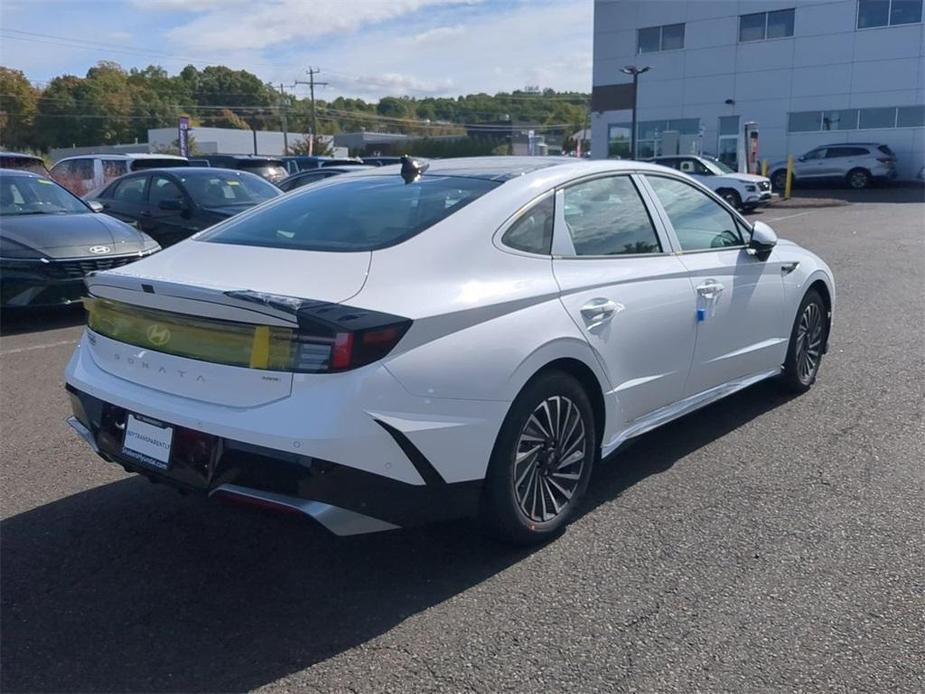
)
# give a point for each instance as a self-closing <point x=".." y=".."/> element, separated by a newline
<point x="763" y="240"/>
<point x="96" y="206"/>
<point x="173" y="205"/>
<point x="802" y="157"/>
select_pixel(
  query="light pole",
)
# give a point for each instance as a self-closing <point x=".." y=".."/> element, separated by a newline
<point x="635" y="72"/>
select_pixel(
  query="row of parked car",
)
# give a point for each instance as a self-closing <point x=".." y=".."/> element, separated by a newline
<point x="50" y="239"/>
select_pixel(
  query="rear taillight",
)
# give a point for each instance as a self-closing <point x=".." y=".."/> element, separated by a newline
<point x="886" y="160"/>
<point x="334" y="337"/>
<point x="329" y="337"/>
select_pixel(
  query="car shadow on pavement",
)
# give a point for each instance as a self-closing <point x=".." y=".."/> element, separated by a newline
<point x="17" y="321"/>
<point x="129" y="587"/>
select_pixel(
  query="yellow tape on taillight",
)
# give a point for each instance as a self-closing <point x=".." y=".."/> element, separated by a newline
<point x="206" y="339"/>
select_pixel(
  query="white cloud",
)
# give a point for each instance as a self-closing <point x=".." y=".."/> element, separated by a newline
<point x="272" y="23"/>
<point x="438" y="33"/>
<point x="185" y="5"/>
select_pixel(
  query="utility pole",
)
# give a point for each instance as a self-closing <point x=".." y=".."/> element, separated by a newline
<point x="283" y="108"/>
<point x="311" y="90"/>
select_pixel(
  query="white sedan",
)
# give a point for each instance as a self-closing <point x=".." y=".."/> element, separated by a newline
<point x="411" y="343"/>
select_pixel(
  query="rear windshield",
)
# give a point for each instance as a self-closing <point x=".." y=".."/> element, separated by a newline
<point x="361" y="214"/>
<point x="885" y="149"/>
<point x="223" y="188"/>
<point x="138" y="164"/>
<point x="270" y="170"/>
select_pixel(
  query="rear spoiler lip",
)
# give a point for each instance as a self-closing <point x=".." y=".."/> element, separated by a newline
<point x="150" y="292"/>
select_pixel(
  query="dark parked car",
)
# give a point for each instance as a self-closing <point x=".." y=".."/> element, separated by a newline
<point x="297" y="163"/>
<point x="24" y="162"/>
<point x="172" y="204"/>
<point x="304" y="178"/>
<point x="271" y="168"/>
<point x="50" y="239"/>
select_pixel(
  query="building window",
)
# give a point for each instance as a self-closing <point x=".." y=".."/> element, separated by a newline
<point x="857" y="119"/>
<point x="766" y="25"/>
<point x="648" y="136"/>
<point x="877" y="118"/>
<point x="845" y="119"/>
<point x="881" y="13"/>
<point x="805" y="122"/>
<point x="669" y="37"/>
<point x="910" y="117"/>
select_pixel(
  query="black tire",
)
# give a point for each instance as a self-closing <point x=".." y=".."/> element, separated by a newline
<point x="858" y="179"/>
<point x="807" y="341"/>
<point x="514" y="506"/>
<point x="779" y="179"/>
<point x="732" y="198"/>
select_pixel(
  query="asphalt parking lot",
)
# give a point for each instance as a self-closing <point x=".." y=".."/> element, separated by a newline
<point x="766" y="543"/>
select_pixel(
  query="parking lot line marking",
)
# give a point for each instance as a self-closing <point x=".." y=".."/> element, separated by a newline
<point x="47" y="345"/>
<point x="798" y="214"/>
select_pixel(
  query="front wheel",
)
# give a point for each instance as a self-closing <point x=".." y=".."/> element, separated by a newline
<point x="732" y="198"/>
<point x="779" y="180"/>
<point x="541" y="463"/>
<point x="807" y="341"/>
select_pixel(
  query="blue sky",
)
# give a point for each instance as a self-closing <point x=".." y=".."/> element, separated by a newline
<point x="366" y="48"/>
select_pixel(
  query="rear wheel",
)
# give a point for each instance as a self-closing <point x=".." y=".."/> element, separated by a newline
<point x="807" y="340"/>
<point x="541" y="463"/>
<point x="858" y="179"/>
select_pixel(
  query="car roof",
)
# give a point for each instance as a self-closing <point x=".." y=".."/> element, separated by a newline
<point x="116" y="155"/>
<point x="20" y="155"/>
<point x="21" y="172"/>
<point x="491" y="168"/>
<point x="186" y="170"/>
<point x="242" y="157"/>
<point x="345" y="168"/>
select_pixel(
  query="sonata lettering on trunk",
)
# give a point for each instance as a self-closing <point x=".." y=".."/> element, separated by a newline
<point x="137" y="363"/>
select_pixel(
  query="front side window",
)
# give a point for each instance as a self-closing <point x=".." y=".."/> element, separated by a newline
<point x="360" y="214"/>
<point x="532" y="232"/>
<point x="881" y="13"/>
<point x="699" y="222"/>
<point x="163" y="188"/>
<point x="814" y="154"/>
<point x="130" y="190"/>
<point x="606" y="216"/>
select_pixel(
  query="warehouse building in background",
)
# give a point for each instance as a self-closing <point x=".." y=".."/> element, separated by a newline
<point x="808" y="72"/>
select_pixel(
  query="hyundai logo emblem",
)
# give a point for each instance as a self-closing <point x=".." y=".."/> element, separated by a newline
<point x="158" y="335"/>
<point x="99" y="250"/>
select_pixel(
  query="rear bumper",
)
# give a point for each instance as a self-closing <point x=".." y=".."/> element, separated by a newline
<point x="343" y="499"/>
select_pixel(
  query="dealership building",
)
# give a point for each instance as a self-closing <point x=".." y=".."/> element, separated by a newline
<point x="807" y="72"/>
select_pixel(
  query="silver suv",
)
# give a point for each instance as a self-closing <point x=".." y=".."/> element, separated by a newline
<point x="855" y="163"/>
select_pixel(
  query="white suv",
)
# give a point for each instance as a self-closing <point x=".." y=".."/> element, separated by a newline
<point x="88" y="172"/>
<point x="742" y="191"/>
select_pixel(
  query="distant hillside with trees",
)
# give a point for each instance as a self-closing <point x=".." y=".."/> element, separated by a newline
<point x="111" y="105"/>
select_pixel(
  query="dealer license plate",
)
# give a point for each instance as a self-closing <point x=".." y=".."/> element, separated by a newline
<point x="147" y="441"/>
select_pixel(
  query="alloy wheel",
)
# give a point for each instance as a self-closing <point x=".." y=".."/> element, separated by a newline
<point x="809" y="342"/>
<point x="858" y="180"/>
<point x="549" y="459"/>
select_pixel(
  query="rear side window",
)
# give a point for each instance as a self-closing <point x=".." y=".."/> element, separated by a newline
<point x="532" y="232"/>
<point x="361" y="214"/>
<point x="699" y="222"/>
<point x="606" y="216"/>
<point x="886" y="150"/>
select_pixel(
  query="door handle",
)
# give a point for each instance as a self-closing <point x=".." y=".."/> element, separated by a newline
<point x="710" y="289"/>
<point x="599" y="310"/>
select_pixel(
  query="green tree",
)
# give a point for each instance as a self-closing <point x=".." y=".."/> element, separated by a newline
<point x="18" y="108"/>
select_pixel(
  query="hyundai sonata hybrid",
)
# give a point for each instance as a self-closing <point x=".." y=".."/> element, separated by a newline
<point x="412" y="343"/>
